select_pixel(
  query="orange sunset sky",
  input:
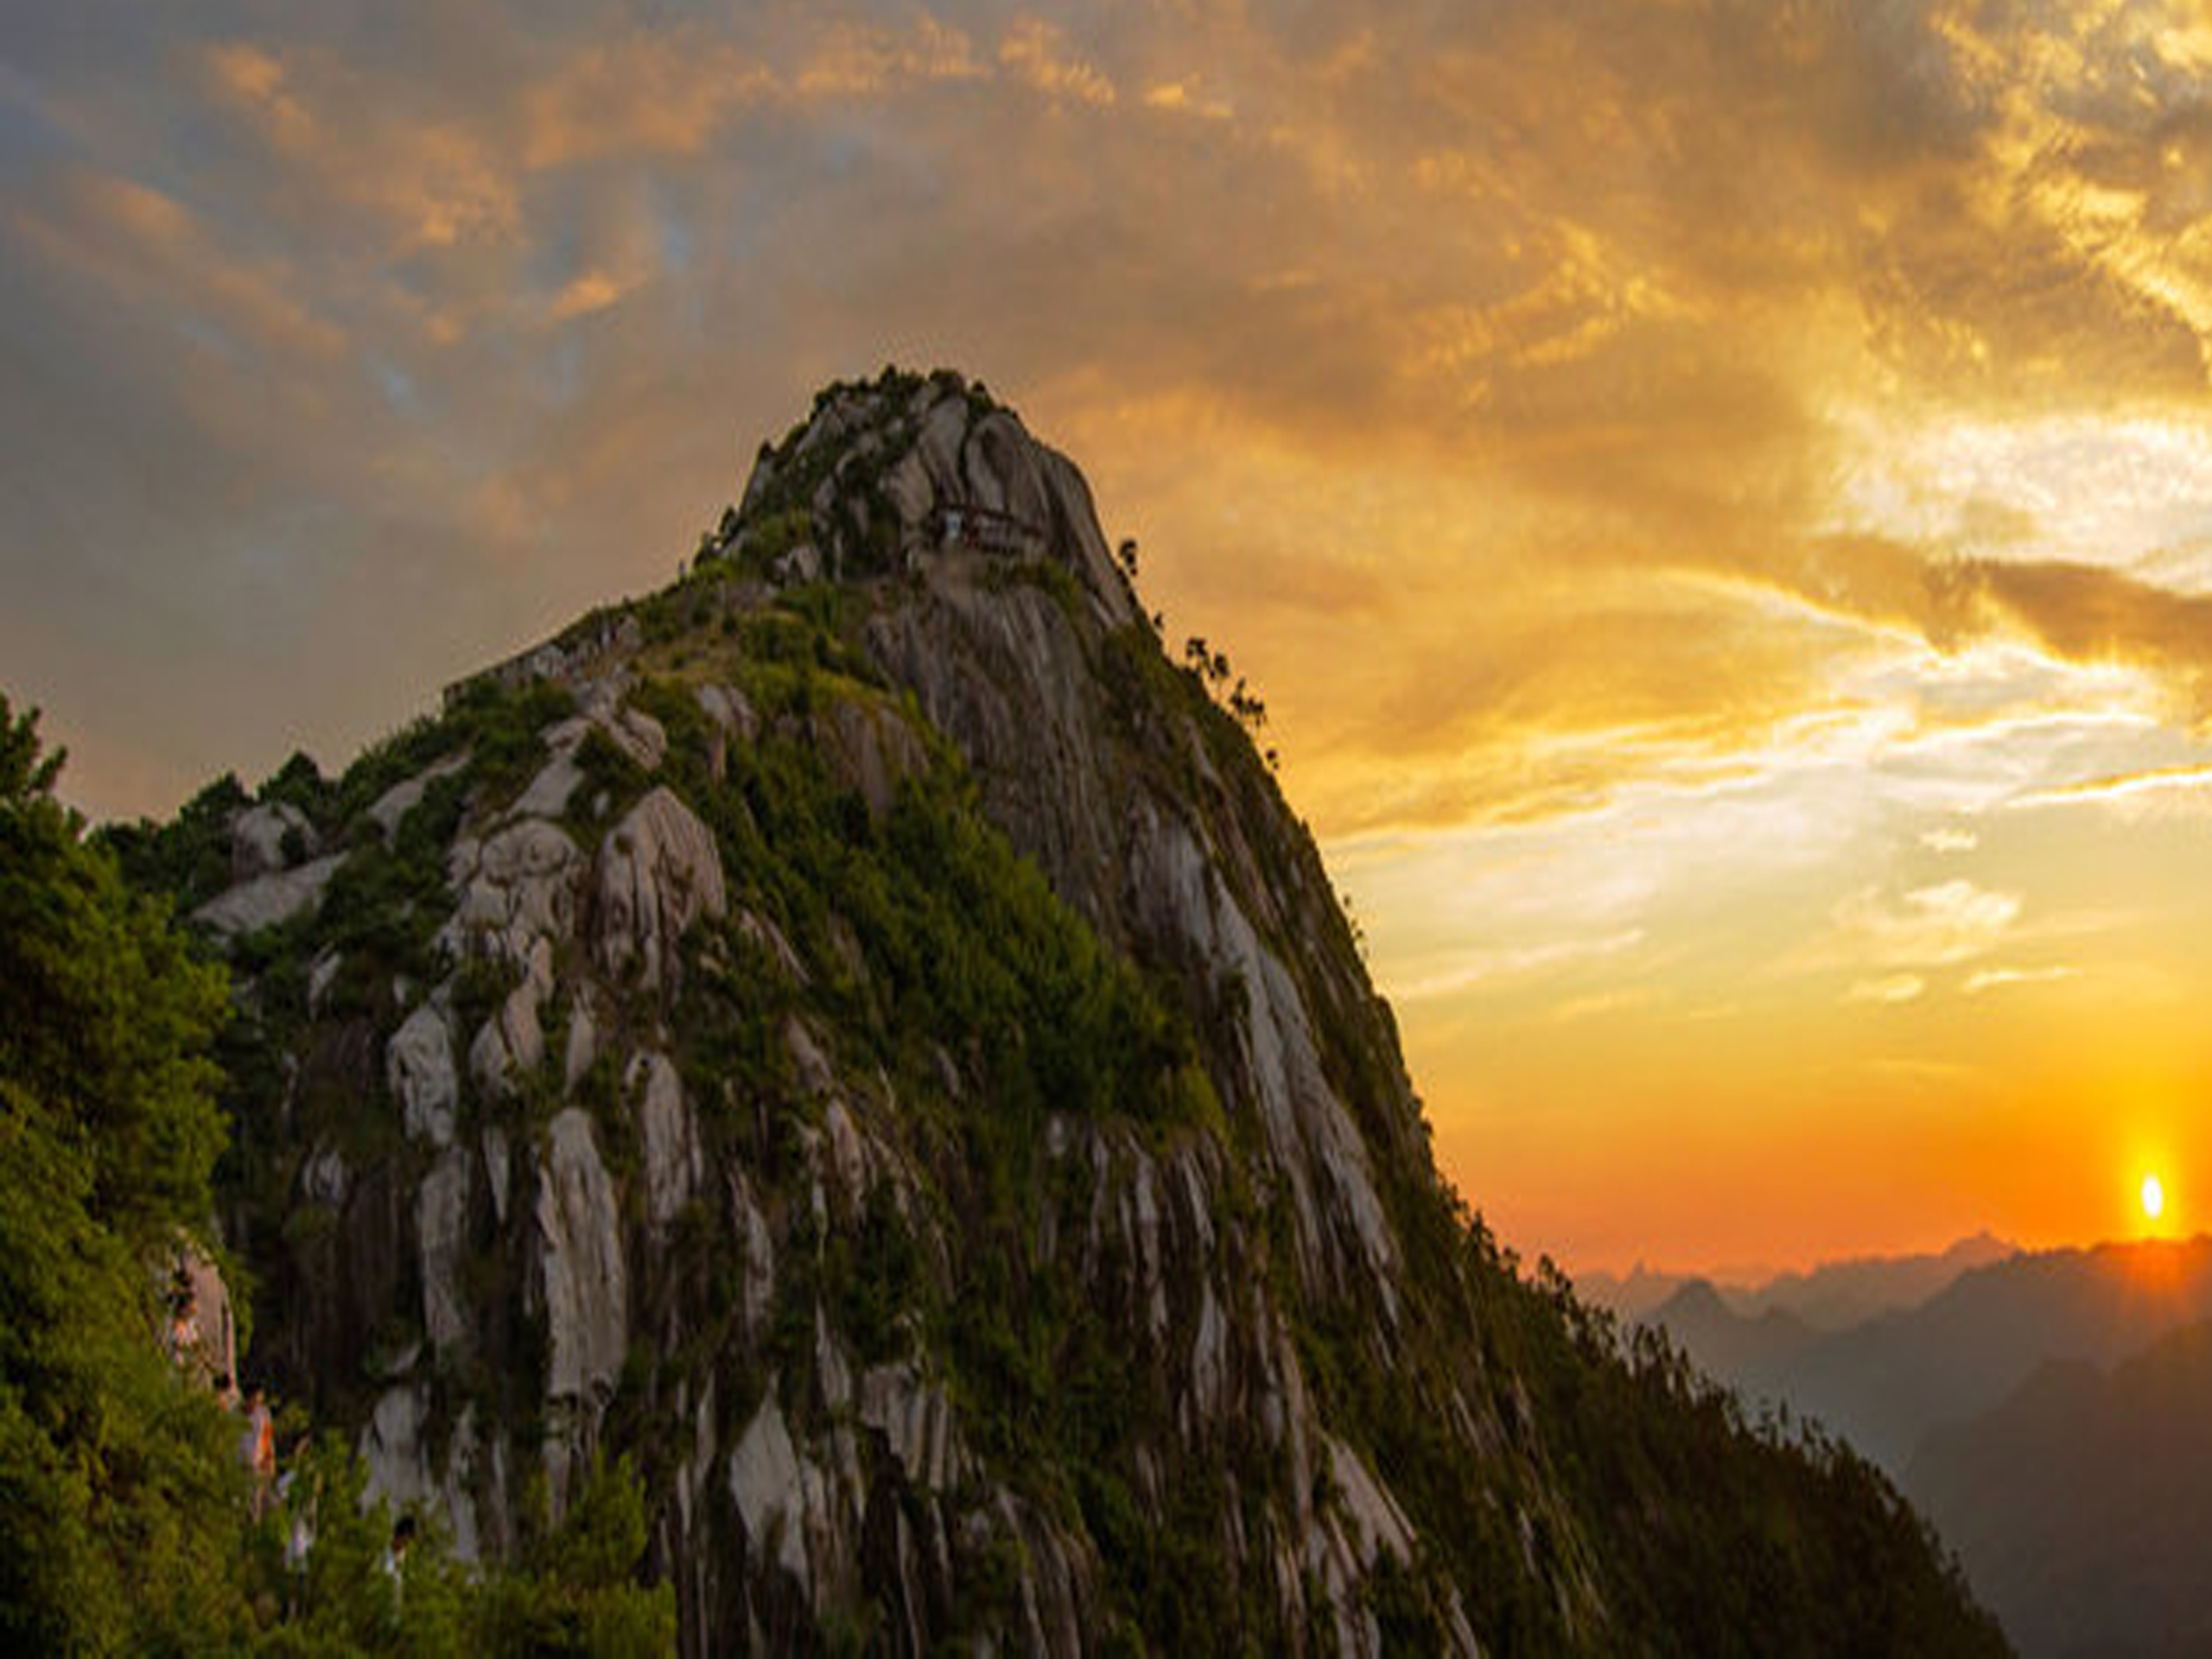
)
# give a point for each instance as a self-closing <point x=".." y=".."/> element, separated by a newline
<point x="1716" y="493"/>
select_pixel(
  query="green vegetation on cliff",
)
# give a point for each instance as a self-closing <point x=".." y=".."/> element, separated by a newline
<point x="120" y="1506"/>
<point x="126" y="1523"/>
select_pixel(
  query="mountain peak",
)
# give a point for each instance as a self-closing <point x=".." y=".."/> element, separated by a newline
<point x="884" y="475"/>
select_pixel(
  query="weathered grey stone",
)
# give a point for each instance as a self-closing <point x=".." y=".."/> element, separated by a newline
<point x="870" y="751"/>
<point x="520" y="886"/>
<point x="849" y="1159"/>
<point x="772" y="943"/>
<point x="731" y="711"/>
<point x="499" y="1169"/>
<point x="267" y="901"/>
<point x="583" y="1281"/>
<point x="833" y="1376"/>
<point x="802" y="564"/>
<point x="550" y="791"/>
<point x="441" y="1236"/>
<point x="257" y="838"/>
<point x="816" y="1076"/>
<point x="323" y="973"/>
<point x="1051" y="1611"/>
<point x="658" y="872"/>
<point x="637" y="734"/>
<point x="865" y="1494"/>
<point x="512" y="1045"/>
<point x="1310" y="1137"/>
<point x="1210" y="1358"/>
<point x="757" y="1246"/>
<point x="916" y="1422"/>
<point x="777" y="1492"/>
<point x="326" y="1178"/>
<point x="670" y="1139"/>
<point x="419" y="1071"/>
<point x="391" y="809"/>
<point x="394" y="1447"/>
<point x="1378" y="1523"/>
<point x="582" y="1047"/>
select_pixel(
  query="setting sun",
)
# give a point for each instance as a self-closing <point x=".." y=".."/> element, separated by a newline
<point x="2154" y="1197"/>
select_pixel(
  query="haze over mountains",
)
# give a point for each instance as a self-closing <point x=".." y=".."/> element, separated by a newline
<point x="2048" y="1409"/>
<point x="1830" y="1296"/>
<point x="2083" y="1503"/>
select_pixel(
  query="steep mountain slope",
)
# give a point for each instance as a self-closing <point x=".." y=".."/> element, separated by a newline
<point x="863" y="1032"/>
<point x="1886" y="1383"/>
<point x="2082" y="1504"/>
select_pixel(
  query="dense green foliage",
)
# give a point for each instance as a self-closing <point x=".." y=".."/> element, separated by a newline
<point x="124" y="1519"/>
<point x="573" y="1590"/>
<point x="350" y="1593"/>
<point x="119" y="1501"/>
<point x="105" y="1018"/>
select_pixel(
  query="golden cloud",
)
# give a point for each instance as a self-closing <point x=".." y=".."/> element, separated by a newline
<point x="140" y="243"/>
<point x="1927" y="927"/>
<point x="435" y="182"/>
<point x="645" y="95"/>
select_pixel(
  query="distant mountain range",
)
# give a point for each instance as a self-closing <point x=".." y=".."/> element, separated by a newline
<point x="1831" y="1297"/>
<point x="1885" y="1383"/>
<point x="2051" y="1411"/>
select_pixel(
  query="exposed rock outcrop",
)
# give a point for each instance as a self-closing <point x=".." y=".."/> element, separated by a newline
<point x="269" y="900"/>
<point x="582" y="1279"/>
<point x="672" y="1170"/>
<point x="658" y="872"/>
<point x="419" y="1069"/>
<point x="267" y="838"/>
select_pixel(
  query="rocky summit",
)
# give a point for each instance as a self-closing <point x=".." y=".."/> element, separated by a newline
<point x="861" y="1033"/>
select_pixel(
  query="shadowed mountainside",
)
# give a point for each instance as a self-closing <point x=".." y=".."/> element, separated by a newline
<point x="2082" y="1504"/>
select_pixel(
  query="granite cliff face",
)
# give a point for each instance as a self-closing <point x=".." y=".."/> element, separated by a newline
<point x="863" y="1033"/>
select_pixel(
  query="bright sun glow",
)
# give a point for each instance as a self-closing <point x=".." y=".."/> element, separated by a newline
<point x="2154" y="1197"/>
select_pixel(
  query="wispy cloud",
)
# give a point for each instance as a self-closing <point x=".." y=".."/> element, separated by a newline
<point x="1892" y="988"/>
<point x="1992" y="979"/>
<point x="1513" y="962"/>
<point x="1926" y="927"/>
<point x="1039" y="56"/>
<point x="2181" y="785"/>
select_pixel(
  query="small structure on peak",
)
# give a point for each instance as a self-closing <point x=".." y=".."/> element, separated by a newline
<point x="983" y="530"/>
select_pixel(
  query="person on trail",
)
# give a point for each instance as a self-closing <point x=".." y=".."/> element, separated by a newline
<point x="299" y="1537"/>
<point x="258" y="1447"/>
<point x="395" y="1557"/>
<point x="184" y="1321"/>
